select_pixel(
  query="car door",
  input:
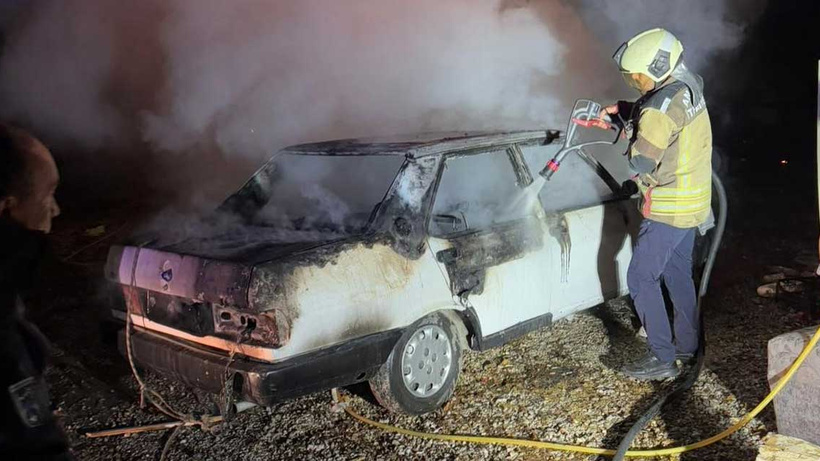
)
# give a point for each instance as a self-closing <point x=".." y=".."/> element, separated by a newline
<point x="591" y="226"/>
<point x="489" y="244"/>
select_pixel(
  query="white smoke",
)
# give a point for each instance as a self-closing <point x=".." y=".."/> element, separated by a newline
<point x="704" y="26"/>
<point x="214" y="87"/>
<point x="270" y="74"/>
<point x="256" y="75"/>
<point x="54" y="73"/>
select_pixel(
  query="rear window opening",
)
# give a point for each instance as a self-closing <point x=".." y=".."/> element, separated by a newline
<point x="323" y="194"/>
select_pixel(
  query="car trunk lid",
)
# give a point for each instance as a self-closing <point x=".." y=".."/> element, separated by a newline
<point x="196" y="299"/>
<point x="191" y="277"/>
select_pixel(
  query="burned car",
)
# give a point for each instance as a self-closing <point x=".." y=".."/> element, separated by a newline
<point x="379" y="261"/>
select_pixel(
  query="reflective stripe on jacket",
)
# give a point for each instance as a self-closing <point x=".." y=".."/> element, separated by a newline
<point x="674" y="139"/>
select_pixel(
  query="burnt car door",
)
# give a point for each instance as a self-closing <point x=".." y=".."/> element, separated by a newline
<point x="591" y="221"/>
<point x="490" y="241"/>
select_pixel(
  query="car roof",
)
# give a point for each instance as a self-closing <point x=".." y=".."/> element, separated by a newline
<point x="417" y="145"/>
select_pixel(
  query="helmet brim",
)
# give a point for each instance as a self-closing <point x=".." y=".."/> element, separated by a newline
<point x="619" y="53"/>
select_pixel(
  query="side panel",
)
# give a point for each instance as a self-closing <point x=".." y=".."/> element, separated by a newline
<point x="591" y="249"/>
<point x="363" y="290"/>
<point x="503" y="274"/>
<point x="526" y="288"/>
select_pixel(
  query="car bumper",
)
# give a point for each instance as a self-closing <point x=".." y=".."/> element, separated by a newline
<point x="259" y="382"/>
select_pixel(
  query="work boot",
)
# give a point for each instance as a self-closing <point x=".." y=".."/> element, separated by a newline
<point x="650" y="367"/>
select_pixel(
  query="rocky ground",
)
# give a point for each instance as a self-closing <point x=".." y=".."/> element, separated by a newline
<point x="558" y="384"/>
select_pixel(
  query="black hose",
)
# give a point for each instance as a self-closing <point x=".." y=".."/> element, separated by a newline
<point x="719" y="229"/>
<point x="685" y="382"/>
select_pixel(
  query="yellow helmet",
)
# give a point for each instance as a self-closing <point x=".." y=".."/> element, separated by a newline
<point x="654" y="53"/>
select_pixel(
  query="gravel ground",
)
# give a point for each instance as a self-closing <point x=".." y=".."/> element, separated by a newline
<point x="558" y="384"/>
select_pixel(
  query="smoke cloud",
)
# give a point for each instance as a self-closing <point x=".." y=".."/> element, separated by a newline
<point x="200" y="92"/>
<point x="705" y="27"/>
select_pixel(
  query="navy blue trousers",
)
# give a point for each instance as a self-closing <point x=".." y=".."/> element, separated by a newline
<point x="664" y="253"/>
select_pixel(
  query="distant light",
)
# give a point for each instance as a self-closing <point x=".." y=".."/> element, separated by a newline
<point x="784" y="162"/>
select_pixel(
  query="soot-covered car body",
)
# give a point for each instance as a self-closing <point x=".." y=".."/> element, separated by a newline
<point x="379" y="261"/>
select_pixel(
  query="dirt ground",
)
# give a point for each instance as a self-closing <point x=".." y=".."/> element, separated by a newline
<point x="558" y="384"/>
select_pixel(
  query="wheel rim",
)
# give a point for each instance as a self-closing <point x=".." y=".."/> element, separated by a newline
<point x="426" y="361"/>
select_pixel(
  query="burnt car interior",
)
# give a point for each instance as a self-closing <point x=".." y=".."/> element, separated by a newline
<point x="476" y="191"/>
<point x="313" y="192"/>
<point x="481" y="189"/>
<point x="294" y="199"/>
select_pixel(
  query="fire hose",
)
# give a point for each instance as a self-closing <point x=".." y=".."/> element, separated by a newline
<point x="684" y="384"/>
<point x="689" y="378"/>
<point x="485" y="440"/>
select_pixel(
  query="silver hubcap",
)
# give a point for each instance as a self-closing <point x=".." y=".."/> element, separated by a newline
<point x="426" y="361"/>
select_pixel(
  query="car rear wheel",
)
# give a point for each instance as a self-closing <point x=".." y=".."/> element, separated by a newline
<point x="421" y="372"/>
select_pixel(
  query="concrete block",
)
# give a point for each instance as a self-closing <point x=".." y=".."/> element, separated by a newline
<point x="797" y="407"/>
<point x="776" y="447"/>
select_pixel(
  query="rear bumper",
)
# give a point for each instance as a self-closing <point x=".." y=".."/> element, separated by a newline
<point x="262" y="383"/>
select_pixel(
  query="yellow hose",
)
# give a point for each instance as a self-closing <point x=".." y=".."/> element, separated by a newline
<point x="601" y="451"/>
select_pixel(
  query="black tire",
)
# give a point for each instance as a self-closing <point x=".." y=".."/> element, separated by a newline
<point x="388" y="384"/>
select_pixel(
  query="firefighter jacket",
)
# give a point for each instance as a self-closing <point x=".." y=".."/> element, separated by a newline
<point x="671" y="150"/>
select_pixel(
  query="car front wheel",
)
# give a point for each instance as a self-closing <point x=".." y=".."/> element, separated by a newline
<point x="421" y="372"/>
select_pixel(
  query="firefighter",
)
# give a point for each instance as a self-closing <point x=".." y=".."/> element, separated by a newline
<point x="670" y="152"/>
<point x="28" y="179"/>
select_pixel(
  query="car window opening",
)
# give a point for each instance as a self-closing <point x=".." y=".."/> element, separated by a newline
<point x="476" y="192"/>
<point x="316" y="197"/>
<point x="578" y="185"/>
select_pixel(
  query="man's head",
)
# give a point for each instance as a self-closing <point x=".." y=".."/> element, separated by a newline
<point x="28" y="180"/>
<point x="648" y="59"/>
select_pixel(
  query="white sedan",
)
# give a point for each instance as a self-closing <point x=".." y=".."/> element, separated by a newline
<point x="378" y="260"/>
